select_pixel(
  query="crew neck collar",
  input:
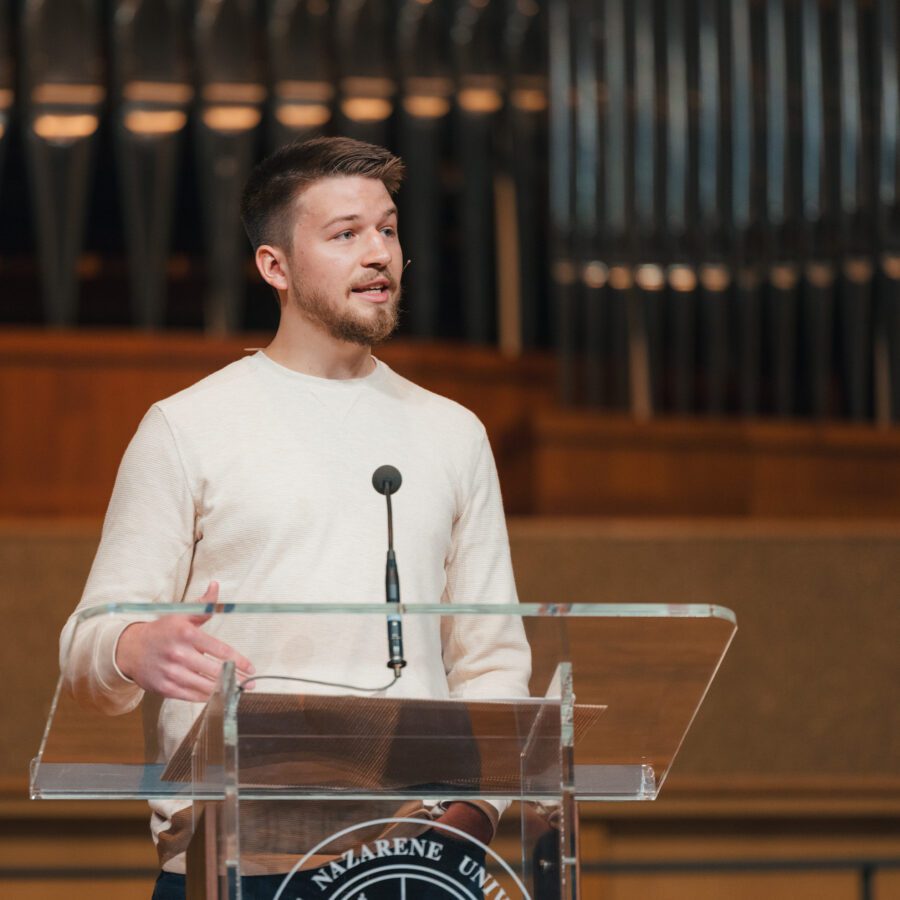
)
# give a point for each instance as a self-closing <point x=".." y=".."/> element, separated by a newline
<point x="266" y="362"/>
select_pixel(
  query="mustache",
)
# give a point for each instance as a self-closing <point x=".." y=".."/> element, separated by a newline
<point x="375" y="276"/>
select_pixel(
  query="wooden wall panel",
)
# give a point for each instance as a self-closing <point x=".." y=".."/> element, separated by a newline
<point x="97" y="850"/>
<point x="83" y="851"/>
<point x="801" y="695"/>
<point x="605" y="465"/>
<point x="91" y="887"/>
<point x="794" y="755"/>
<point x="820" y="856"/>
<point x="734" y="886"/>
<point x="70" y="402"/>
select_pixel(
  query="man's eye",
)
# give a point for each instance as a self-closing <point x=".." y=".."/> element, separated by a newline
<point x="343" y="235"/>
<point x="388" y="231"/>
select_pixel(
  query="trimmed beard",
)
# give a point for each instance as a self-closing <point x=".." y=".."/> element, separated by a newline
<point x="345" y="324"/>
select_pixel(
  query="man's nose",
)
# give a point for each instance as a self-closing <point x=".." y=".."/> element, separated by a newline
<point x="377" y="251"/>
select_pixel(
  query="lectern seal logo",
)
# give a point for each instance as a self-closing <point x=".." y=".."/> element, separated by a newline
<point x="444" y="863"/>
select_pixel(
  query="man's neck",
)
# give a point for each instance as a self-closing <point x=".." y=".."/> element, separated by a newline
<point x="306" y="348"/>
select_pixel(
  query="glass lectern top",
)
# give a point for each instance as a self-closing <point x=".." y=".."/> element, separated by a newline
<point x="625" y="680"/>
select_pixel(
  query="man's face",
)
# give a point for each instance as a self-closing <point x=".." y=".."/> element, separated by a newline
<point x="345" y="261"/>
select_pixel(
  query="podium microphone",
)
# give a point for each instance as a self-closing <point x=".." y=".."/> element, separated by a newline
<point x="387" y="480"/>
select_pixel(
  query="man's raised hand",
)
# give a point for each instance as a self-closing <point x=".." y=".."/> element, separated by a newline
<point x="173" y="656"/>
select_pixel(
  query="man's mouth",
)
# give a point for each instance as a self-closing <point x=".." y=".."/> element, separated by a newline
<point x="376" y="290"/>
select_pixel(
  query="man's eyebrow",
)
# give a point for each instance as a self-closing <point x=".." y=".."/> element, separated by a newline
<point x="390" y="211"/>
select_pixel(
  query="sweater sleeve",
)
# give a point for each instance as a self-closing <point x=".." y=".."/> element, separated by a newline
<point x="144" y="556"/>
<point x="485" y="657"/>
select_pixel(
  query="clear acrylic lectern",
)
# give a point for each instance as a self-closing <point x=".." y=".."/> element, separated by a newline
<point x="327" y="783"/>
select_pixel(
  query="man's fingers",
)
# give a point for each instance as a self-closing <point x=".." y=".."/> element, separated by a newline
<point x="212" y="593"/>
<point x="187" y="685"/>
<point x="211" y="596"/>
<point x="207" y="666"/>
<point x="209" y="645"/>
<point x="211" y="667"/>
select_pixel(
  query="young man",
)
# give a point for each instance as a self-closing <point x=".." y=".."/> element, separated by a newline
<point x="254" y="485"/>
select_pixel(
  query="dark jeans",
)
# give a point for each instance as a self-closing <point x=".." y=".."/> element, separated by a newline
<point x="458" y="861"/>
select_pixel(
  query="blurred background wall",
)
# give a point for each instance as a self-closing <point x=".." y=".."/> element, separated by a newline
<point x="654" y="247"/>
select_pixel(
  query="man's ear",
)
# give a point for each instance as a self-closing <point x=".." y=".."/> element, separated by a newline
<point x="272" y="264"/>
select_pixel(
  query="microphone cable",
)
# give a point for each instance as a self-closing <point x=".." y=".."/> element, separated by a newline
<point x="351" y="687"/>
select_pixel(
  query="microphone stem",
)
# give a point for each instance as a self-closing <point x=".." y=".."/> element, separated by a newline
<point x="387" y="494"/>
<point x="392" y="583"/>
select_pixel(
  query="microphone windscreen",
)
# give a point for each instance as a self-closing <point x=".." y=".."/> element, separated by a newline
<point x="387" y="479"/>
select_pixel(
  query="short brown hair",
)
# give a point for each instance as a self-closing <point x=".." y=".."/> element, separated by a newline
<point x="275" y="182"/>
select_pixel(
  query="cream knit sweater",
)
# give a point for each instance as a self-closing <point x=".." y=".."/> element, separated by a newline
<point x="260" y="477"/>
